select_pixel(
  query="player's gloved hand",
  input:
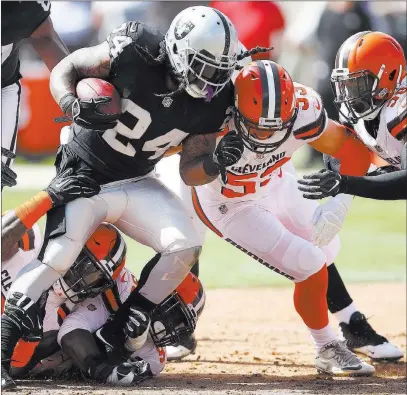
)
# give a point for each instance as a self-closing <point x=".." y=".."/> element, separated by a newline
<point x="321" y="185"/>
<point x="8" y="176"/>
<point x="328" y="220"/>
<point x="228" y="152"/>
<point x="136" y="329"/>
<point x="86" y="113"/>
<point x="129" y="373"/>
<point x="68" y="186"/>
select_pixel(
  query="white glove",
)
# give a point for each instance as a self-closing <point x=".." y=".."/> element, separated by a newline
<point x="328" y="220"/>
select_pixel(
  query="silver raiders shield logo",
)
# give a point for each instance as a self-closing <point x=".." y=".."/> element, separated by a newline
<point x="182" y="28"/>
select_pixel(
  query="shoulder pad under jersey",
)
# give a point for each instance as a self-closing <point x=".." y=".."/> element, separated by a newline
<point x="395" y="113"/>
<point x="311" y="118"/>
<point x="131" y="40"/>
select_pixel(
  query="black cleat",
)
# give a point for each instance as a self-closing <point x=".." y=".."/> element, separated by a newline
<point x="360" y="337"/>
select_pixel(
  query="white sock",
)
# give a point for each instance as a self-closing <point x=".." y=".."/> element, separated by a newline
<point x="323" y="336"/>
<point x="345" y="314"/>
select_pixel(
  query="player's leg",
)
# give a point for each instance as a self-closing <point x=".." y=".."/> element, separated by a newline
<point x="155" y="217"/>
<point x="10" y="106"/>
<point x="66" y="232"/>
<point x="296" y="214"/>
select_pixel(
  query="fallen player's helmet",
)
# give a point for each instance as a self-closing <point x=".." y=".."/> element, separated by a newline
<point x="265" y="105"/>
<point x="202" y="46"/>
<point x="97" y="267"/>
<point x="177" y="315"/>
<point x="368" y="68"/>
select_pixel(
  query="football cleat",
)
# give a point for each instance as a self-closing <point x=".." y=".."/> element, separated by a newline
<point x="129" y="373"/>
<point x="187" y="346"/>
<point x="360" y="337"/>
<point x="337" y="360"/>
<point x="6" y="381"/>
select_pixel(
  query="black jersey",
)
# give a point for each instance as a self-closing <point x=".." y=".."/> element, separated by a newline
<point x="19" y="19"/>
<point x="149" y="124"/>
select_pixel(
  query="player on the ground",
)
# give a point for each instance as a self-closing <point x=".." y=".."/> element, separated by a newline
<point x="259" y="209"/>
<point x="370" y="86"/>
<point x="174" y="89"/>
<point x="22" y="20"/>
<point x="82" y="301"/>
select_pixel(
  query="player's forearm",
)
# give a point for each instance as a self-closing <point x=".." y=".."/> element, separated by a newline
<point x="16" y="222"/>
<point x="390" y="186"/>
<point x="48" y="44"/>
<point x="199" y="171"/>
<point x="83" y="63"/>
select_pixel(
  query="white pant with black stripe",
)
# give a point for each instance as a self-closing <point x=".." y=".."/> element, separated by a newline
<point x="10" y="110"/>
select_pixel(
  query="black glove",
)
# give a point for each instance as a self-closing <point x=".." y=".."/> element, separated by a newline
<point x="85" y="113"/>
<point x="136" y="328"/>
<point x="68" y="186"/>
<point x="321" y="185"/>
<point x="8" y="177"/>
<point x="228" y="152"/>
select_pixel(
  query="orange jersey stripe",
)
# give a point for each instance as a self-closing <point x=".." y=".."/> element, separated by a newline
<point x="112" y="299"/>
<point x="398" y="126"/>
<point x="201" y="214"/>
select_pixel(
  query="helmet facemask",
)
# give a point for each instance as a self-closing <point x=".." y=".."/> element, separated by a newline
<point x="279" y="132"/>
<point x="203" y="75"/>
<point x="87" y="278"/>
<point x="359" y="93"/>
<point x="171" y="321"/>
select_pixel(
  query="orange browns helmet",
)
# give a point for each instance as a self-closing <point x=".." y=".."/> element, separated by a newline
<point x="265" y="105"/>
<point x="177" y="315"/>
<point x="368" y="68"/>
<point x="97" y="267"/>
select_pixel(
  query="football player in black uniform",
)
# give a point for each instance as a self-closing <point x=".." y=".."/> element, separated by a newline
<point x="175" y="89"/>
<point x="22" y="20"/>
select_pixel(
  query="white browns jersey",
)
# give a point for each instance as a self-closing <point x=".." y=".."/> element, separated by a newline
<point x="392" y="128"/>
<point x="251" y="177"/>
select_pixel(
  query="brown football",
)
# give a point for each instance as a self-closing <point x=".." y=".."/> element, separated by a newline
<point x="91" y="88"/>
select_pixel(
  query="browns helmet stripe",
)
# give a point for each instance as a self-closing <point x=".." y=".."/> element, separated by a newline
<point x="341" y="61"/>
<point x="277" y="90"/>
<point x="265" y="90"/>
<point x="227" y="32"/>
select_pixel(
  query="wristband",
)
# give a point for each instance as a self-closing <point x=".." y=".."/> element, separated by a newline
<point x="66" y="102"/>
<point x="210" y="167"/>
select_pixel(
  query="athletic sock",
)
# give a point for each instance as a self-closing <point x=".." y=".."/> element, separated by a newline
<point x="310" y="300"/>
<point x="323" y="336"/>
<point x="345" y="314"/>
<point x="10" y="335"/>
<point x="337" y="295"/>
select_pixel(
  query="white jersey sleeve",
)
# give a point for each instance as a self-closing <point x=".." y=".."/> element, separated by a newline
<point x="311" y="119"/>
<point x="396" y="115"/>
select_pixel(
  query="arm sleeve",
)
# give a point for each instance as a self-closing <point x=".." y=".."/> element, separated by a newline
<point x="391" y="186"/>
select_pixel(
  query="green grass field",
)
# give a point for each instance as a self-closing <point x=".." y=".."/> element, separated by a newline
<point x="373" y="248"/>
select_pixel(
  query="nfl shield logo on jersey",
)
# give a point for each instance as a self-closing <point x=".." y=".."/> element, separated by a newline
<point x="167" y="101"/>
<point x="223" y="209"/>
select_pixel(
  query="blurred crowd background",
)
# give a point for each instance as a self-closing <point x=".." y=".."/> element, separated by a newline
<point x="306" y="36"/>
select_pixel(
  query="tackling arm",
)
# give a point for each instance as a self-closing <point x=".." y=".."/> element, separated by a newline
<point x="196" y="166"/>
<point x="48" y="44"/>
<point x="83" y="63"/>
<point x="354" y="156"/>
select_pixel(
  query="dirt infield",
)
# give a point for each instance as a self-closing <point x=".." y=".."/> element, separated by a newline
<point x="252" y="342"/>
